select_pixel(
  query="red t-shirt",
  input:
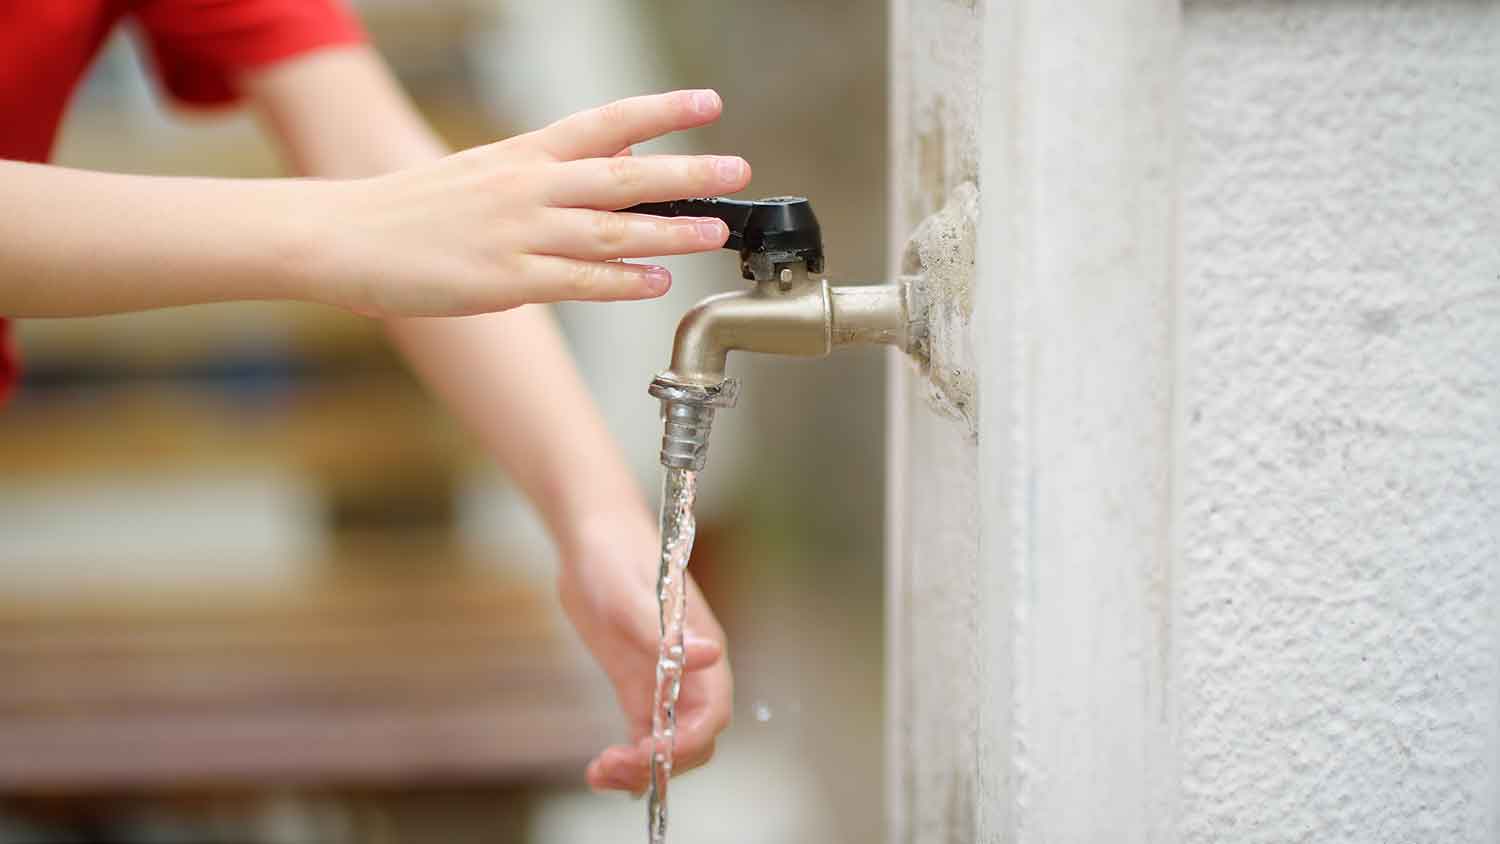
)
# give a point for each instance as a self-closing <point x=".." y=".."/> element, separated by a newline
<point x="199" y="48"/>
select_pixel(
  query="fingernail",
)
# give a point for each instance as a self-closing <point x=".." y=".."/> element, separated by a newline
<point x="730" y="169"/>
<point x="705" y="102"/>
<point x="710" y="230"/>
<point x="658" y="280"/>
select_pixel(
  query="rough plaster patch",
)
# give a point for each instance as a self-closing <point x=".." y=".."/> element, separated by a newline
<point x="940" y="254"/>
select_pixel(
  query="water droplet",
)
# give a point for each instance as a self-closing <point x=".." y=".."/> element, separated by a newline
<point x="762" y="711"/>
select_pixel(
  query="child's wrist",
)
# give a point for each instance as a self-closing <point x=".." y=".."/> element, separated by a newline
<point x="592" y="502"/>
<point x="593" y="534"/>
<point x="309" y="253"/>
<point x="294" y="242"/>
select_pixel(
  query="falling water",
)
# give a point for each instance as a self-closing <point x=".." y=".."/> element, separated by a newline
<point x="679" y="490"/>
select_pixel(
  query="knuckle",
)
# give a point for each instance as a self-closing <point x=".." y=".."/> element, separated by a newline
<point x="706" y="172"/>
<point x="611" y="114"/>
<point x="624" y="171"/>
<point x="544" y="142"/>
<point x="610" y="230"/>
<point x="577" y="278"/>
<point x="668" y="232"/>
<point x="587" y="279"/>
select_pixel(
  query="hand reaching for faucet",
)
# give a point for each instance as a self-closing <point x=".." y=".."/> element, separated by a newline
<point x="529" y="219"/>
<point x="608" y="588"/>
<point x="533" y="218"/>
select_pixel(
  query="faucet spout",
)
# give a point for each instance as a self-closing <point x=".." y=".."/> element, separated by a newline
<point x="794" y="319"/>
<point x="790" y="311"/>
<point x="791" y="314"/>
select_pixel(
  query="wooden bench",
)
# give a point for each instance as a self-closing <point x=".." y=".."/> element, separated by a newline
<point x="401" y="663"/>
<point x="459" y="678"/>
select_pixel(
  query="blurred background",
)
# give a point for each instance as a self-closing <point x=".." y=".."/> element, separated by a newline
<point x="255" y="586"/>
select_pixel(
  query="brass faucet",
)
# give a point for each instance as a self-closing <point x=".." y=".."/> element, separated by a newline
<point x="790" y="310"/>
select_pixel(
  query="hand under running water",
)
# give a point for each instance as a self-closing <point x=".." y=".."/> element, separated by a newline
<point x="414" y="232"/>
<point x="608" y="588"/>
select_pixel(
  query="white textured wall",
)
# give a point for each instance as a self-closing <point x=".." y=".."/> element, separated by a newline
<point x="1338" y="605"/>
<point x="932" y="696"/>
<point x="1219" y="558"/>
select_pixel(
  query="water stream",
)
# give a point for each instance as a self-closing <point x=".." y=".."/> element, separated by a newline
<point x="679" y="489"/>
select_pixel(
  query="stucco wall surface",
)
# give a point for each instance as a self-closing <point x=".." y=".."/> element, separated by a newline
<point x="1028" y="570"/>
<point x="932" y="607"/>
<point x="1339" y="614"/>
<point x="1217" y="557"/>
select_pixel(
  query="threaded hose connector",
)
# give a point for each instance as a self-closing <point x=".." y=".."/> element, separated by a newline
<point x="685" y="430"/>
<point x="687" y="412"/>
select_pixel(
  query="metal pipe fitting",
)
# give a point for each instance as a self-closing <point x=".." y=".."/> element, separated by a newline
<point x="871" y="314"/>
<point x="687" y="412"/>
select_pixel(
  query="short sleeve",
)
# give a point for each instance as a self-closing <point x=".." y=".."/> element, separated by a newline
<point x="10" y="366"/>
<point x="200" y="47"/>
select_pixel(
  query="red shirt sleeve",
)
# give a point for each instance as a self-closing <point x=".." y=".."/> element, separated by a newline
<point x="202" y="46"/>
<point x="9" y="366"/>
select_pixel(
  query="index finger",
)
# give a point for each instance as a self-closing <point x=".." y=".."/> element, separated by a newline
<point x="604" y="131"/>
<point x="703" y="712"/>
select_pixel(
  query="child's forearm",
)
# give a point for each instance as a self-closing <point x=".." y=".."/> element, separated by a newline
<point x="510" y="378"/>
<point x="76" y="243"/>
<point x="508" y="375"/>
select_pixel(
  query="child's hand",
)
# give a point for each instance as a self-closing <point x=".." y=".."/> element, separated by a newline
<point x="529" y="219"/>
<point x="608" y="589"/>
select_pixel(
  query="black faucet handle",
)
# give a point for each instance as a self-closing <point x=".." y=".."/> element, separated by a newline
<point x="735" y="213"/>
<point x="767" y="232"/>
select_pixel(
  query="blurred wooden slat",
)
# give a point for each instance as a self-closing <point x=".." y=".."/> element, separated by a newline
<point x="449" y="677"/>
<point x="147" y="340"/>
<point x="333" y="747"/>
<point x="355" y="429"/>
